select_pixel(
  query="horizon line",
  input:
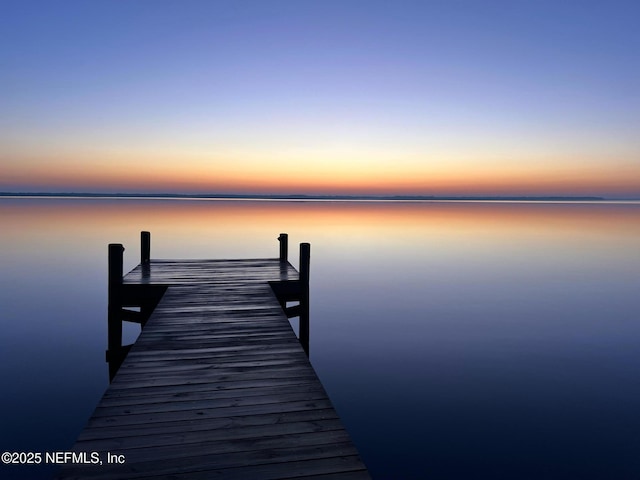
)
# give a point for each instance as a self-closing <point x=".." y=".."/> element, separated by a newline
<point x="300" y="196"/>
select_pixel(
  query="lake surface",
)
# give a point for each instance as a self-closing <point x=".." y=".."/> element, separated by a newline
<point x="455" y="339"/>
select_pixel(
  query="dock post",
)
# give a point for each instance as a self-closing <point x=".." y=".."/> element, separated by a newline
<point x="146" y="308"/>
<point x="114" y="327"/>
<point x="284" y="247"/>
<point x="145" y="247"/>
<point x="305" y="256"/>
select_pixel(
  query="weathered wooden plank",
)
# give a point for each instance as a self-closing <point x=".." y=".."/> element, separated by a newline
<point x="275" y="471"/>
<point x="221" y="424"/>
<point x="286" y="346"/>
<point x="212" y="373"/>
<point x="353" y="475"/>
<point x="121" y="384"/>
<point x="223" y="386"/>
<point x="184" y="443"/>
<point x="164" y="405"/>
<point x="264" y="463"/>
<point x="240" y="394"/>
<point x="197" y="414"/>
<point x="204" y="367"/>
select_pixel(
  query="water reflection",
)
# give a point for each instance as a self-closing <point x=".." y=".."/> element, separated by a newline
<point x="455" y="339"/>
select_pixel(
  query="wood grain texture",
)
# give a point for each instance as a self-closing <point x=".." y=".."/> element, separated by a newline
<point x="217" y="385"/>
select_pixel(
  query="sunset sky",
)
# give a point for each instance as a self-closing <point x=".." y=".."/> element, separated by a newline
<point x="329" y="97"/>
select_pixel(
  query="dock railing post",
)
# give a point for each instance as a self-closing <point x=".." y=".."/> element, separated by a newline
<point x="284" y="247"/>
<point x="305" y="256"/>
<point x="114" y="327"/>
<point x="145" y="247"/>
<point x="145" y="263"/>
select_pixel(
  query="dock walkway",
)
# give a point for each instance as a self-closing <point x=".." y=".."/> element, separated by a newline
<point x="217" y="385"/>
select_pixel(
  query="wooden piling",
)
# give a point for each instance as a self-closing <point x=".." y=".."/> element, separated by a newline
<point x="284" y="247"/>
<point x="145" y="247"/>
<point x="114" y="309"/>
<point x="305" y="257"/>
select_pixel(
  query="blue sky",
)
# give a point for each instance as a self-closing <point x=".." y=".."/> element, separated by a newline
<point x="331" y="97"/>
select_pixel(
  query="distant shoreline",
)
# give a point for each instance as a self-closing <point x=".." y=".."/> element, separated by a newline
<point x="216" y="196"/>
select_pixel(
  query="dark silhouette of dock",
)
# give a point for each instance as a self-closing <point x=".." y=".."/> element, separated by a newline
<point x="217" y="385"/>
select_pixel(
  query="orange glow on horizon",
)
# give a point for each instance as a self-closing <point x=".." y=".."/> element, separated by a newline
<point x="196" y="174"/>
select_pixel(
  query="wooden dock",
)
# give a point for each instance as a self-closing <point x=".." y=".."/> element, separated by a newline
<point x="217" y="385"/>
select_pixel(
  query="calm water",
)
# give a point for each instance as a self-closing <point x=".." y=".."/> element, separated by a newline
<point x="456" y="340"/>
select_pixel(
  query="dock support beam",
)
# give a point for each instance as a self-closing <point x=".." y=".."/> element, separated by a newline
<point x="115" y="295"/>
<point x="305" y="257"/>
<point x="146" y="308"/>
<point x="114" y="315"/>
<point x="145" y="247"/>
<point x="284" y="247"/>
